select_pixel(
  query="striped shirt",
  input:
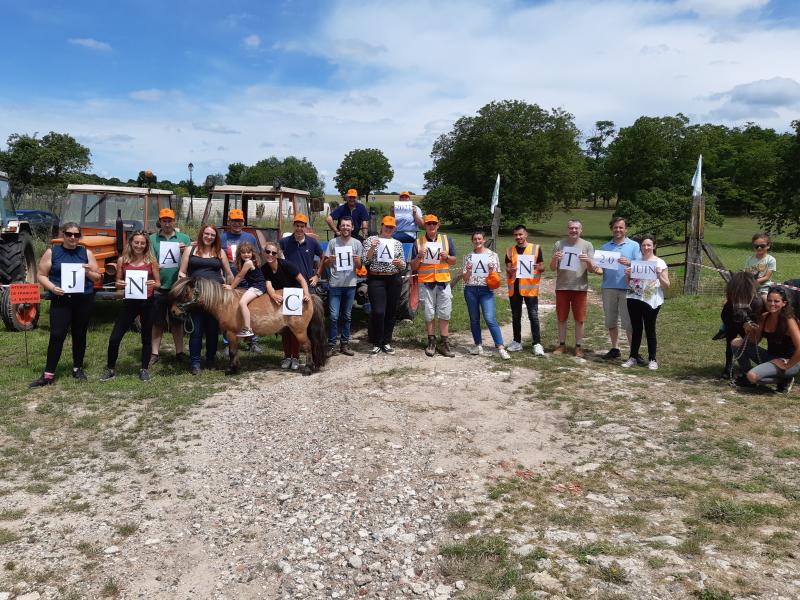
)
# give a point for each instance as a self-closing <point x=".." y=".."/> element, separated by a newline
<point x="382" y="267"/>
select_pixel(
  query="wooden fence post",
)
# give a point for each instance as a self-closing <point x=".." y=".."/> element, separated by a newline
<point x="694" y="248"/>
<point x="492" y="245"/>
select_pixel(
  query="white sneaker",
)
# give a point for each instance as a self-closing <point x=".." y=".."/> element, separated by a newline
<point x="295" y="364"/>
<point x="514" y="347"/>
<point x="631" y="362"/>
<point x="503" y="353"/>
<point x="476" y="350"/>
<point x="652" y="365"/>
<point x="538" y="350"/>
<point x="245" y="333"/>
<point x="286" y="363"/>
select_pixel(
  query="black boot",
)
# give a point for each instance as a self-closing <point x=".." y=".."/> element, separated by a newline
<point x="444" y="348"/>
<point x="431" y="349"/>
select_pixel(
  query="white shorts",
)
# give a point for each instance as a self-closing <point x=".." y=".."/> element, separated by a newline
<point x="437" y="301"/>
<point x="615" y="308"/>
<point x="256" y="291"/>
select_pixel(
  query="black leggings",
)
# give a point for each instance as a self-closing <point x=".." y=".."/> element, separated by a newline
<point x="144" y="309"/>
<point x="384" y="294"/>
<point x="68" y="313"/>
<point x="643" y="316"/>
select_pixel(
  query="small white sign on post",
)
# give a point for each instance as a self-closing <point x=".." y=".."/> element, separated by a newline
<point x="403" y="209"/>
<point x="607" y="259"/>
<point x="343" y="258"/>
<point x="73" y="278"/>
<point x="169" y="255"/>
<point x="385" y="251"/>
<point x="431" y="252"/>
<point x="233" y="248"/>
<point x="480" y="264"/>
<point x="526" y="266"/>
<point x="571" y="260"/>
<point x="135" y="284"/>
<point x="293" y="301"/>
<point x="644" y="269"/>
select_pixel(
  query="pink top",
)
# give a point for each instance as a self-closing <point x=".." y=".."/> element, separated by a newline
<point x="147" y="267"/>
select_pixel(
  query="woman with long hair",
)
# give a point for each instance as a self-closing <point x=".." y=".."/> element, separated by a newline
<point x="279" y="274"/>
<point x="204" y="260"/>
<point x="137" y="256"/>
<point x="69" y="312"/>
<point x="780" y="362"/>
<point x="645" y="297"/>
<point x="479" y="297"/>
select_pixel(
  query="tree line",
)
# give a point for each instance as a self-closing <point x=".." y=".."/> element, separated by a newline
<point x="643" y="170"/>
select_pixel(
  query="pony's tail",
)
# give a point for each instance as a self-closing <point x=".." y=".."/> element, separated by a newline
<point x="317" y="335"/>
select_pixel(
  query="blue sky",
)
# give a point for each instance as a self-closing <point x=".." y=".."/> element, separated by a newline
<point x="155" y="85"/>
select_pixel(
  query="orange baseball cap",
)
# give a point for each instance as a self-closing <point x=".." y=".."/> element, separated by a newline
<point x="431" y="219"/>
<point x="406" y="194"/>
<point x="298" y="218"/>
<point x="351" y="193"/>
<point x="389" y="221"/>
<point x="236" y="215"/>
<point x="166" y="213"/>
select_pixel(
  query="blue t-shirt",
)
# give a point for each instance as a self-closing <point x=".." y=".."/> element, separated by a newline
<point x="61" y="255"/>
<point x="301" y="255"/>
<point x="359" y="214"/>
<point x="615" y="278"/>
<point x="228" y="239"/>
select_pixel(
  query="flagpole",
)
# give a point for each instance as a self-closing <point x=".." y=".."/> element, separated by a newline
<point x="694" y="245"/>
<point x="496" y="214"/>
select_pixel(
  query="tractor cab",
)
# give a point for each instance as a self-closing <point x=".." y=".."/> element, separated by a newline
<point x="107" y="215"/>
<point x="268" y="211"/>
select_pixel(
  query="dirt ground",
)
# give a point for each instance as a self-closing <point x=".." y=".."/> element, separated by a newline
<point x="408" y="476"/>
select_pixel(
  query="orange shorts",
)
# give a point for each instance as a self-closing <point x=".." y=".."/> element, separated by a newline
<point x="569" y="298"/>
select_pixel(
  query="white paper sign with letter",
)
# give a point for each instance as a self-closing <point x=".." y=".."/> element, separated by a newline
<point x="480" y="264"/>
<point x="135" y="284"/>
<point x="643" y="269"/>
<point x="430" y="255"/>
<point x="607" y="259"/>
<point x="293" y="301"/>
<point x="73" y="278"/>
<point x="384" y="251"/>
<point x="571" y="260"/>
<point x="343" y="259"/>
<point x="526" y="266"/>
<point x="169" y="254"/>
<point x="402" y="210"/>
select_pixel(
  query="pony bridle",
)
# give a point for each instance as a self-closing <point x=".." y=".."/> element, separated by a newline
<point x="195" y="297"/>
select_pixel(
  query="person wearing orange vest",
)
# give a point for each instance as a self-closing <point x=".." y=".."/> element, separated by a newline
<point x="525" y="290"/>
<point x="432" y="265"/>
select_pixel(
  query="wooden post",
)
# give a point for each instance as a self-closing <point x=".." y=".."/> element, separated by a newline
<point x="694" y="247"/>
<point x="492" y="244"/>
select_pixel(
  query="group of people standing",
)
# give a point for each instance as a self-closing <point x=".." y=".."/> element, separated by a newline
<point x="631" y="301"/>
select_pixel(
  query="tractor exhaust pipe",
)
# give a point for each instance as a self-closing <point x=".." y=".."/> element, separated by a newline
<point x="120" y="242"/>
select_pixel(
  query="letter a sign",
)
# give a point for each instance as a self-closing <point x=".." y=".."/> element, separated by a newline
<point x="384" y="250"/>
<point x="169" y="255"/>
<point x="293" y="301"/>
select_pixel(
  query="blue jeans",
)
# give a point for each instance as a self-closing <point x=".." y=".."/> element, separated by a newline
<point x="340" y="303"/>
<point x="481" y="298"/>
<point x="204" y="325"/>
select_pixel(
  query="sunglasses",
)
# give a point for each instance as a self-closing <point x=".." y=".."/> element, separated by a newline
<point x="270" y="253"/>
<point x="72" y="234"/>
<point x="760" y="246"/>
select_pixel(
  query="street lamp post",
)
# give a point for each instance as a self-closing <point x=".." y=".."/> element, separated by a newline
<point x="191" y="193"/>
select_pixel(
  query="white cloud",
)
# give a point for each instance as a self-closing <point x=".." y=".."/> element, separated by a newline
<point x="214" y="127"/>
<point x="757" y="99"/>
<point x="720" y="8"/>
<point x="91" y="44"/>
<point x="252" y="41"/>
<point x="151" y="95"/>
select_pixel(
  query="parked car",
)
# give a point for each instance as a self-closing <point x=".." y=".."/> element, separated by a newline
<point x="44" y="224"/>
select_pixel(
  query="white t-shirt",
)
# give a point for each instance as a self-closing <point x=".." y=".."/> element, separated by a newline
<point x="648" y="290"/>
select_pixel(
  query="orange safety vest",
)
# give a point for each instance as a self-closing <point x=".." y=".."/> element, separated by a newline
<point x="438" y="272"/>
<point x="528" y="286"/>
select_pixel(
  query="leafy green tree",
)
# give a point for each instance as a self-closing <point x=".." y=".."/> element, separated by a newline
<point x="782" y="212"/>
<point x="366" y="170"/>
<point x="596" y="153"/>
<point x="235" y="172"/>
<point x="49" y="160"/>
<point x="536" y="152"/>
<point x="663" y="212"/>
<point x="449" y="202"/>
<point x="293" y="172"/>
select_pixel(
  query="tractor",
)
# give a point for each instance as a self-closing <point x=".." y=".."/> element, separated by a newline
<point x="107" y="215"/>
<point x="17" y="262"/>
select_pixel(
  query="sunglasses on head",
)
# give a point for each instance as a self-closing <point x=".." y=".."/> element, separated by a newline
<point x="760" y="246"/>
<point x="777" y="290"/>
<point x="72" y="234"/>
<point x="270" y="252"/>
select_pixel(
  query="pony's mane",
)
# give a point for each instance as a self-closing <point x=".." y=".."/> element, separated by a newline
<point x="741" y="288"/>
<point x="211" y="293"/>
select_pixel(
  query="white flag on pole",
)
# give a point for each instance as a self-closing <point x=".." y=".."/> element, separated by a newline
<point x="697" y="180"/>
<point x="495" y="194"/>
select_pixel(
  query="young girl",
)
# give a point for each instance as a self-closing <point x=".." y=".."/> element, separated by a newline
<point x="761" y="264"/>
<point x="248" y="276"/>
<point x="137" y="256"/>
